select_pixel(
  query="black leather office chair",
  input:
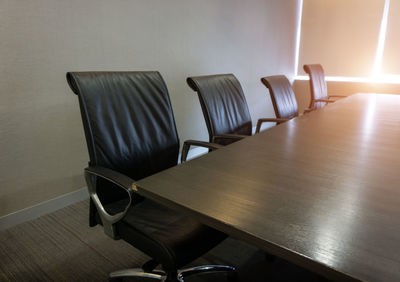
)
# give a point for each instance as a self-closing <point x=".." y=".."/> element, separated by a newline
<point x="319" y="92"/>
<point x="224" y="107"/>
<point x="130" y="133"/>
<point x="283" y="99"/>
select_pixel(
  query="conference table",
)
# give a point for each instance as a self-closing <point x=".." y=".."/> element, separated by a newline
<point x="321" y="191"/>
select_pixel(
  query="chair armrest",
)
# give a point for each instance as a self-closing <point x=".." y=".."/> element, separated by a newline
<point x="337" y="96"/>
<point x="324" y="100"/>
<point x="118" y="179"/>
<point x="262" y="120"/>
<point x="228" y="136"/>
<point x="308" y="110"/>
<point x="113" y="176"/>
<point x="188" y="143"/>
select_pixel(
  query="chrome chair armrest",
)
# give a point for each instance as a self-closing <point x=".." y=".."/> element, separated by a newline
<point x="119" y="179"/>
<point x="262" y="120"/>
<point x="308" y="110"/>
<point x="228" y="136"/>
<point x="188" y="143"/>
<point x="324" y="100"/>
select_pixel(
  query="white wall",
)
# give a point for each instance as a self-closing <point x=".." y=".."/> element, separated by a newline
<point x="43" y="151"/>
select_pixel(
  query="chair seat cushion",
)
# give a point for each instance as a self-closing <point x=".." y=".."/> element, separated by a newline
<point x="169" y="237"/>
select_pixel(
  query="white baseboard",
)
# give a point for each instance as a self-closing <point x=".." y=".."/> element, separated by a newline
<point x="46" y="207"/>
<point x="62" y="201"/>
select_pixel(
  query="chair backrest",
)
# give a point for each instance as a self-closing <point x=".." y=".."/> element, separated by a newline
<point x="223" y="103"/>
<point x="128" y="121"/>
<point x="282" y="96"/>
<point x="317" y="84"/>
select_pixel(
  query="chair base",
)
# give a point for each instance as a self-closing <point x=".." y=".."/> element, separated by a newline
<point x="161" y="275"/>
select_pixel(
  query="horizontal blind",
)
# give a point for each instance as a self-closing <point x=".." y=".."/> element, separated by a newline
<point x="342" y="35"/>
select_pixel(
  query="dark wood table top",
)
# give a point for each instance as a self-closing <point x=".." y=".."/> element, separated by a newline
<point x="322" y="190"/>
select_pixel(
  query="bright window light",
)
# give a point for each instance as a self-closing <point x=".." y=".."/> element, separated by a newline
<point x="337" y="78"/>
<point x="381" y="41"/>
<point x="376" y="75"/>
<point x="387" y="79"/>
<point x="299" y="16"/>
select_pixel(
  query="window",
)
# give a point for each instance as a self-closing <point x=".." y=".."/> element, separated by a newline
<point x="351" y="38"/>
<point x="391" y="55"/>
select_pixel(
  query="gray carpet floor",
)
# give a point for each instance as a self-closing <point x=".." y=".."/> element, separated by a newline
<point x="62" y="247"/>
